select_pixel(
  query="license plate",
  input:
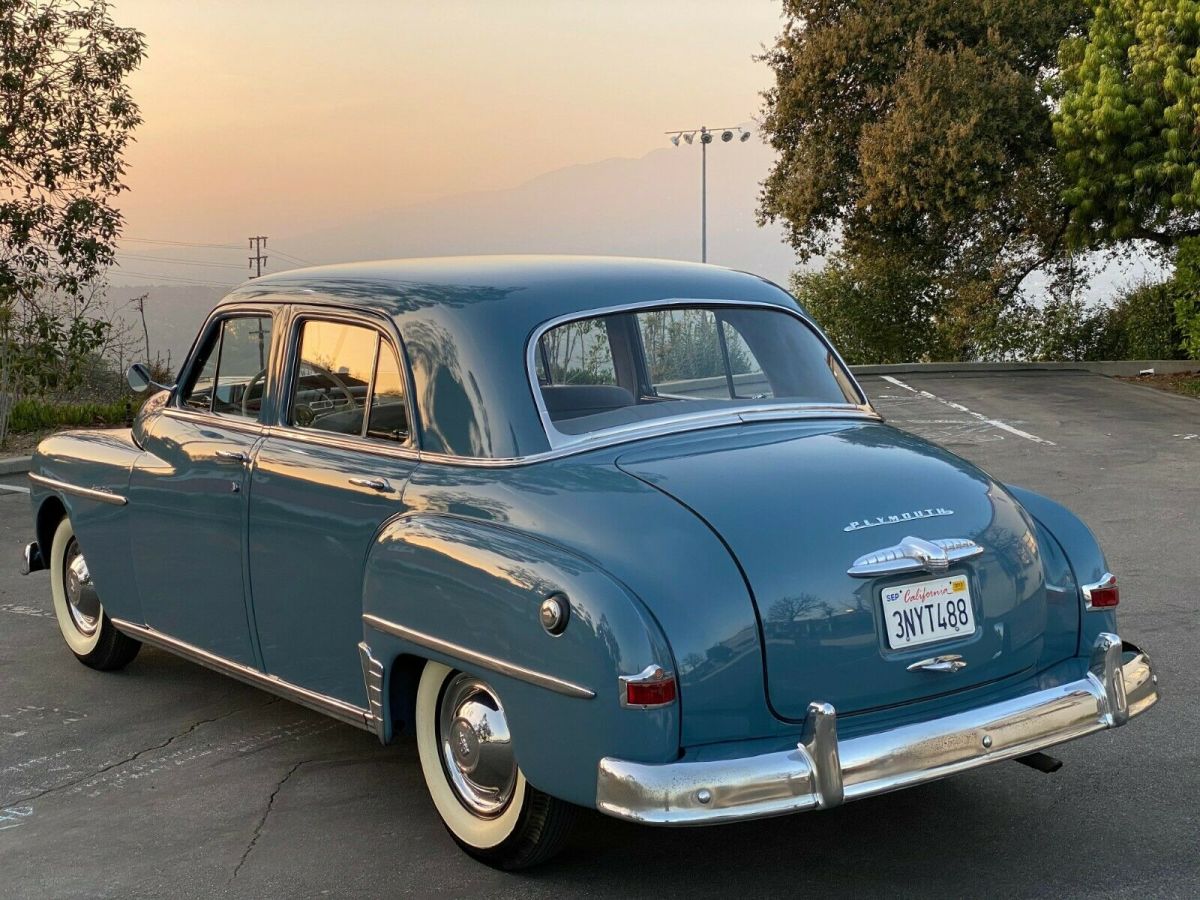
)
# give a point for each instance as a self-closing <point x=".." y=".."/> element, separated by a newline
<point x="927" y="611"/>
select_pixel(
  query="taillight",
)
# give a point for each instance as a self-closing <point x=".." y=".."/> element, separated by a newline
<point x="1104" y="594"/>
<point x="654" y="686"/>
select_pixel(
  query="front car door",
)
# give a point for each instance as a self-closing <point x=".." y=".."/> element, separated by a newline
<point x="187" y="492"/>
<point x="330" y="472"/>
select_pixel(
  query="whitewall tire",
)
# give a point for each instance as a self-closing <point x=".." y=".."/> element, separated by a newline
<point x="473" y="779"/>
<point x="84" y="625"/>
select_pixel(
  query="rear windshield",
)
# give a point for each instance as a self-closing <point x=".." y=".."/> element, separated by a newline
<point x="631" y="367"/>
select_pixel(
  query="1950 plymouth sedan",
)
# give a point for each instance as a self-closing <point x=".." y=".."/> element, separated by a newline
<point x="613" y="533"/>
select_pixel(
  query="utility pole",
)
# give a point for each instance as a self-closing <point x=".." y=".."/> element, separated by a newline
<point x="706" y="138"/>
<point x="258" y="243"/>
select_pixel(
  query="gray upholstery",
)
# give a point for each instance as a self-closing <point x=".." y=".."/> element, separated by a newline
<point x="570" y="401"/>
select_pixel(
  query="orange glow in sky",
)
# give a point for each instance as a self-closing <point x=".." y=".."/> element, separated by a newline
<point x="280" y="116"/>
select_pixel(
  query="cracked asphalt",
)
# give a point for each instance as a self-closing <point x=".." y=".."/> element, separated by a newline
<point x="170" y="780"/>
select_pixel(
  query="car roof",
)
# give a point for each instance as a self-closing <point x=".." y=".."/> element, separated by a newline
<point x="465" y="323"/>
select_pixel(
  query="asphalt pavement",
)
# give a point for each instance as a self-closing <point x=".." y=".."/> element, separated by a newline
<point x="169" y="780"/>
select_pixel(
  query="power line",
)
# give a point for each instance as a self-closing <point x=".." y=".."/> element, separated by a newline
<point x="179" y="243"/>
<point x="303" y="262"/>
<point x="176" y="259"/>
<point x="224" y="284"/>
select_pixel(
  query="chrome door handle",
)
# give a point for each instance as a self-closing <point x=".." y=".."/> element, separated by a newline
<point x="376" y="484"/>
<point x="233" y="456"/>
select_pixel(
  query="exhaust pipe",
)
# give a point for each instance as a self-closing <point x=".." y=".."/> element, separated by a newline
<point x="1043" y="762"/>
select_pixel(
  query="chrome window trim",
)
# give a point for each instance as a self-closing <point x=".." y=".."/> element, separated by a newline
<point x="231" y="423"/>
<point x="323" y="703"/>
<point x="687" y="421"/>
<point x="483" y="660"/>
<point x="220" y="312"/>
<point x="66" y="487"/>
<point x="280" y="427"/>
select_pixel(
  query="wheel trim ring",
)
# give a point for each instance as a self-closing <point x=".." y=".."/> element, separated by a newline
<point x="77" y="587"/>
<point x="486" y="801"/>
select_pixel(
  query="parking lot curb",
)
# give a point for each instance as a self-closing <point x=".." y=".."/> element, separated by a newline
<point x="1124" y="367"/>
<point x="14" y="465"/>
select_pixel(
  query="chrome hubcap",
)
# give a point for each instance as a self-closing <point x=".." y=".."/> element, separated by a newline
<point x="476" y="746"/>
<point x="82" y="602"/>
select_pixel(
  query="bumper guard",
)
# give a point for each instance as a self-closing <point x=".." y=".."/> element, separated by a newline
<point x="822" y="771"/>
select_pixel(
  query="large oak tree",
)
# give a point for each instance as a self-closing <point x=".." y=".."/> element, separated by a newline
<point x="919" y="131"/>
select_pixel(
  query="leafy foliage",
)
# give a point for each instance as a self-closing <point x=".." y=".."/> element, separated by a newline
<point x="1186" y="295"/>
<point x="874" y="310"/>
<point x="30" y="416"/>
<point x="65" y="119"/>
<point x="920" y="129"/>
<point x="1128" y="122"/>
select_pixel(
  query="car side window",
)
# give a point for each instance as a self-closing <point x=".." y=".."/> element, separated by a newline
<point x="232" y="368"/>
<point x="347" y="381"/>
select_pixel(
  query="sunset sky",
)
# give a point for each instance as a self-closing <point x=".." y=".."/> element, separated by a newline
<point x="280" y="116"/>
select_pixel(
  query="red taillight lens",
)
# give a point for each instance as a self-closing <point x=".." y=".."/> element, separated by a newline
<point x="1104" y="594"/>
<point x="654" y="687"/>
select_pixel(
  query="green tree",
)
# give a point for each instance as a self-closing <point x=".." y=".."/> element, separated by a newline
<point x="1128" y="123"/>
<point x="920" y="130"/>
<point x="66" y="117"/>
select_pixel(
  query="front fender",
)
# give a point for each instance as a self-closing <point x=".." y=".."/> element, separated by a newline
<point x="69" y="472"/>
<point x="453" y="585"/>
<point x="1083" y="555"/>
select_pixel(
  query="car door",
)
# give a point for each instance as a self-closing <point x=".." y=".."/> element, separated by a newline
<point x="187" y="491"/>
<point x="330" y="472"/>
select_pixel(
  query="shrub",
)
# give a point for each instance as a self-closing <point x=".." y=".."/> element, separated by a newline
<point x="1142" y="324"/>
<point x="40" y="415"/>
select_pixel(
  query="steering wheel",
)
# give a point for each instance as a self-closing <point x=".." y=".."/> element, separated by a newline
<point x="303" y="413"/>
<point x="250" y="385"/>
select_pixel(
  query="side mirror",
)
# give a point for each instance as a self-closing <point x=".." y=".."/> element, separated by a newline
<point x="139" y="379"/>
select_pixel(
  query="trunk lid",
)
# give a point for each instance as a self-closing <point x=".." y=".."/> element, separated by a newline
<point x="799" y="503"/>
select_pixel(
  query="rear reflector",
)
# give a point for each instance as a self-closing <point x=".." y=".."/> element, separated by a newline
<point x="1104" y="594"/>
<point x="651" y="693"/>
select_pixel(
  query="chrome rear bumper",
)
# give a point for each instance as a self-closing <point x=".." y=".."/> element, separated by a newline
<point x="823" y="771"/>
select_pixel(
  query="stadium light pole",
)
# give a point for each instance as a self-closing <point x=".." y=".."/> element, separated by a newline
<point x="688" y="135"/>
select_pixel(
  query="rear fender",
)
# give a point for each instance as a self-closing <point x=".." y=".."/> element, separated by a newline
<point x="455" y="590"/>
<point x="74" y="473"/>
<point x="1083" y="555"/>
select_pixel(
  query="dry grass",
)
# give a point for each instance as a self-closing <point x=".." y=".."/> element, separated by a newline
<point x="1186" y="383"/>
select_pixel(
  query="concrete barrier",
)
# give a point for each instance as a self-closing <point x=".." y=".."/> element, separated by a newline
<point x="14" y="465"/>
<point x="1114" y="367"/>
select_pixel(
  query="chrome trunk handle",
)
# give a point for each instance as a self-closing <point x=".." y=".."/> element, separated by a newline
<point x="233" y="456"/>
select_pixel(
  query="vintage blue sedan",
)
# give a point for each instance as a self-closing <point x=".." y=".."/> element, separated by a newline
<point x="623" y="534"/>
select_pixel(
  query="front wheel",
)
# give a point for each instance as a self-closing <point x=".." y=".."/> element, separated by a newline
<point x="473" y="778"/>
<point x="85" y="626"/>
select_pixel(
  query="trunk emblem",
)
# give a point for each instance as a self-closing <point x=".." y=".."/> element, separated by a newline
<point x="951" y="662"/>
<point x="914" y="555"/>
<point x="931" y="513"/>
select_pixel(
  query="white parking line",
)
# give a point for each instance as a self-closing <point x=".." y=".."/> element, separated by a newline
<point x="995" y="423"/>
<point x="14" y="488"/>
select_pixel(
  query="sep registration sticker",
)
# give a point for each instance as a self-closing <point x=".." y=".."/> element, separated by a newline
<point x="927" y="611"/>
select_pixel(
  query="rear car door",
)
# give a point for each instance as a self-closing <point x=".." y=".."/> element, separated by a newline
<point x="330" y="472"/>
<point x="187" y="490"/>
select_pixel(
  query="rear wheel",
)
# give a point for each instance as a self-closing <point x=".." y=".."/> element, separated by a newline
<point x="85" y="627"/>
<point x="473" y="778"/>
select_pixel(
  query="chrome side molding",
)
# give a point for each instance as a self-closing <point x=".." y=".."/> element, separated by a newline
<point x="457" y="651"/>
<point x="331" y="706"/>
<point x="913" y="554"/>
<point x="68" y="488"/>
